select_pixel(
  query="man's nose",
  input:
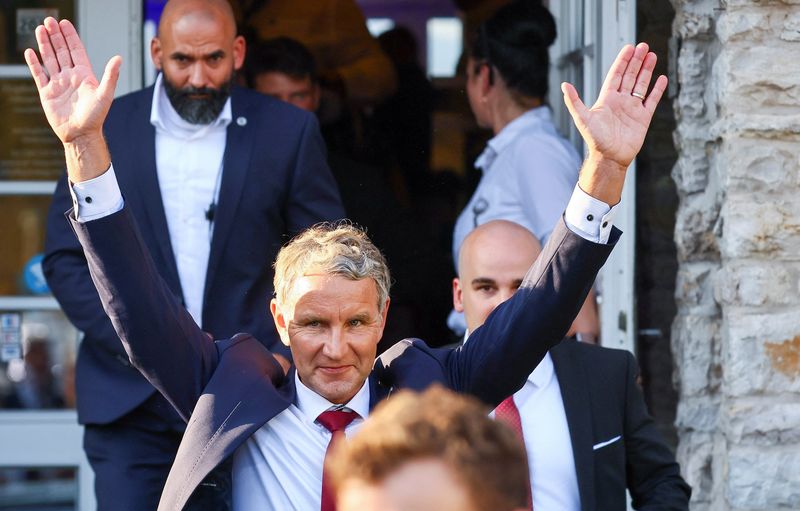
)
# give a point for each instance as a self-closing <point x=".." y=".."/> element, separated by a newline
<point x="198" y="77"/>
<point x="334" y="347"/>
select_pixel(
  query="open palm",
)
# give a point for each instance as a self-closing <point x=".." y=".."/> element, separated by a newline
<point x="615" y="126"/>
<point x="74" y="102"/>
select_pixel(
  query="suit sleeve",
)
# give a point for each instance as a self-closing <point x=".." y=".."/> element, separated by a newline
<point x="516" y="336"/>
<point x="159" y="335"/>
<point x="68" y="277"/>
<point x="313" y="195"/>
<point x="653" y="475"/>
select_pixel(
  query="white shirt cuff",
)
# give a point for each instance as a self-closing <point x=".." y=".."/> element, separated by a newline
<point x="589" y="218"/>
<point x="96" y="198"/>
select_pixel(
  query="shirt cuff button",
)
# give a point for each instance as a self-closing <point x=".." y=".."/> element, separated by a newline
<point x="605" y="224"/>
<point x="88" y="200"/>
<point x="590" y="217"/>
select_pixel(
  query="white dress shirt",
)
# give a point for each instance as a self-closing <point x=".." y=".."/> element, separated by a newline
<point x="554" y="481"/>
<point x="279" y="468"/>
<point x="548" y="445"/>
<point x="189" y="164"/>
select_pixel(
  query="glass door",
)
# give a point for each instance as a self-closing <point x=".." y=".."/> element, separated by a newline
<point x="590" y="34"/>
<point x="42" y="465"/>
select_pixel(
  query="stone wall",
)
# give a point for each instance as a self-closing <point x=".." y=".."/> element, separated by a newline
<point x="736" y="338"/>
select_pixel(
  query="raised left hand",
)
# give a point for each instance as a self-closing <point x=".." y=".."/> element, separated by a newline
<point x="615" y="126"/>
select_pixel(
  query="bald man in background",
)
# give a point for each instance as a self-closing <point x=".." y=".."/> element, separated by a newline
<point x="583" y="418"/>
<point x="218" y="177"/>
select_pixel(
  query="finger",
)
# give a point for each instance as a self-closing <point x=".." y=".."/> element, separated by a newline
<point x="655" y="95"/>
<point x="46" y="51"/>
<point x="58" y="42"/>
<point x="39" y="76"/>
<point x="614" y="75"/>
<point x="109" y="81"/>
<point x="643" y="80"/>
<point x="74" y="44"/>
<point x="632" y="71"/>
<point x="576" y="108"/>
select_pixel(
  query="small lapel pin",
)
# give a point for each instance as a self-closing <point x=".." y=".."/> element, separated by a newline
<point x="241" y="121"/>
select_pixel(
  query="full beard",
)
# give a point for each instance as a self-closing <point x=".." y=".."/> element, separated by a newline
<point x="198" y="110"/>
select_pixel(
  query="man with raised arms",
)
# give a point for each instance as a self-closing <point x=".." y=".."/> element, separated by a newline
<point x="331" y="299"/>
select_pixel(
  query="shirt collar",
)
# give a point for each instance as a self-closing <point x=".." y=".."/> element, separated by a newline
<point x="312" y="404"/>
<point x="532" y="120"/>
<point x="543" y="373"/>
<point x="166" y="119"/>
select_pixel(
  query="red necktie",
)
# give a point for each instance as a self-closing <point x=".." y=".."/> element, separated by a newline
<point x="334" y="421"/>
<point x="508" y="413"/>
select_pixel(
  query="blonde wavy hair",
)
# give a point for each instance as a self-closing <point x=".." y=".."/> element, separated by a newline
<point x="332" y="248"/>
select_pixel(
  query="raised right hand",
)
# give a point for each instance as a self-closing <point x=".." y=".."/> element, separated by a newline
<point x="74" y="102"/>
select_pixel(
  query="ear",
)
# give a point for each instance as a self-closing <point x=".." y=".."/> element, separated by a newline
<point x="485" y="73"/>
<point x="239" y="49"/>
<point x="155" y="53"/>
<point x="458" y="302"/>
<point x="280" y="321"/>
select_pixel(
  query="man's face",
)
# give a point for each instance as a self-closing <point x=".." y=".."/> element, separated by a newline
<point x="489" y="274"/>
<point x="332" y="325"/>
<point x="198" y="55"/>
<point x="300" y="92"/>
<point x="434" y="486"/>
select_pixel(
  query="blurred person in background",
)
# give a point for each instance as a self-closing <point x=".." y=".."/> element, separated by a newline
<point x="401" y="125"/>
<point x="434" y="451"/>
<point x="529" y="170"/>
<point x="33" y="384"/>
<point x="354" y="74"/>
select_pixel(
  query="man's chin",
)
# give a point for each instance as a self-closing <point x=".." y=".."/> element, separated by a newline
<point x="337" y="386"/>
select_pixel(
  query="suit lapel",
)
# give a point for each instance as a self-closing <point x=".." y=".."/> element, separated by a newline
<point x="213" y="434"/>
<point x="144" y="180"/>
<point x="238" y="147"/>
<point x="577" y="406"/>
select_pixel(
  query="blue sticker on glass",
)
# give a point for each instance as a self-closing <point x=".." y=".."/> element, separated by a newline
<point x="34" y="276"/>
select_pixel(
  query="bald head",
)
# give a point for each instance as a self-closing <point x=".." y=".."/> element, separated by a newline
<point x="197" y="50"/>
<point x="492" y="262"/>
<point x="193" y="11"/>
<point x="494" y="240"/>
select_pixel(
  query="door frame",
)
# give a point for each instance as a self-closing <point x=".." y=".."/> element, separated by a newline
<point x="53" y="438"/>
<point x="590" y="34"/>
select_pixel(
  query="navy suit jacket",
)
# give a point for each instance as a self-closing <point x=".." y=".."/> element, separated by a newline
<point x="230" y="388"/>
<point x="615" y="443"/>
<point x="275" y="183"/>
